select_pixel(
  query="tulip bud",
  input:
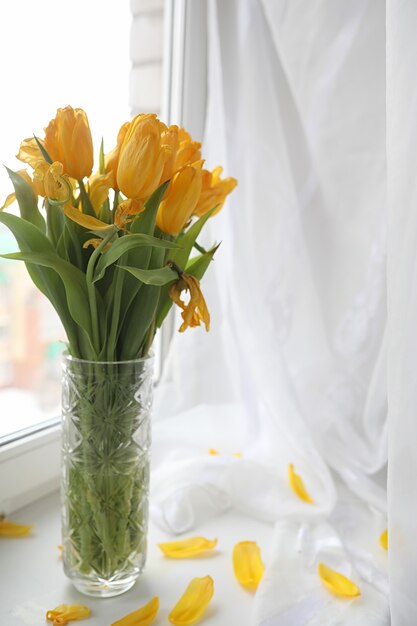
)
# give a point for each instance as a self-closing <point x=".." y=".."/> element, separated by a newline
<point x="180" y="199"/>
<point x="68" y="140"/>
<point x="141" y="157"/>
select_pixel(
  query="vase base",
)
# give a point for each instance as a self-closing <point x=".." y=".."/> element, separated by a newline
<point x="103" y="589"/>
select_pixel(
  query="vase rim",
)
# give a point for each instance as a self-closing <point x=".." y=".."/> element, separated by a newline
<point x="73" y="359"/>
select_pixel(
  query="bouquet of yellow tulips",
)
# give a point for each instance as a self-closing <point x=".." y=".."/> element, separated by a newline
<point x="111" y="249"/>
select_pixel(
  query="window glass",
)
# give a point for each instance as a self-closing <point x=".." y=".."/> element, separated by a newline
<point x="54" y="53"/>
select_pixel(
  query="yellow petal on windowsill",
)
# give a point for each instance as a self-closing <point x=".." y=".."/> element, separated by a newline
<point x="65" y="613"/>
<point x="247" y="564"/>
<point x="297" y="485"/>
<point x="383" y="540"/>
<point x="193" y="603"/>
<point x="186" y="548"/>
<point x="142" y="617"/>
<point x="12" y="529"/>
<point x="337" y="583"/>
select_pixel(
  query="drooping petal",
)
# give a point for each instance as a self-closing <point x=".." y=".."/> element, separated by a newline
<point x="65" y="613"/>
<point x="247" y="564"/>
<point x="142" y="617"/>
<point x="383" y="540"/>
<point x="337" y="583"/>
<point x="13" y="529"/>
<point x="95" y="242"/>
<point x="88" y="221"/>
<point x="9" y="200"/>
<point x="185" y="548"/>
<point x="297" y="485"/>
<point x="196" y="310"/>
<point x="192" y="604"/>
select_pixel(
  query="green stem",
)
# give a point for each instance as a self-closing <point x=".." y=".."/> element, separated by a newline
<point x="92" y="290"/>
<point x="87" y="206"/>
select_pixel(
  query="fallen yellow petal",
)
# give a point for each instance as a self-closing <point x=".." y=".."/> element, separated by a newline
<point x="337" y="583"/>
<point x="142" y="617"/>
<point x="213" y="452"/>
<point x="65" y="613"/>
<point x="297" y="485"/>
<point x="12" y="529"/>
<point x="247" y="564"/>
<point x="383" y="540"/>
<point x="192" y="604"/>
<point x="185" y="548"/>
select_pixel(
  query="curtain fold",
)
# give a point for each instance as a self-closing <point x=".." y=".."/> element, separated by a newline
<point x="402" y="307"/>
<point x="294" y="370"/>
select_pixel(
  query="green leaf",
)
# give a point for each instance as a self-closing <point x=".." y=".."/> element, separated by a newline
<point x="28" y="201"/>
<point x="158" y="277"/>
<point x="123" y="245"/>
<point x="186" y="241"/>
<point x="102" y="166"/>
<point x="144" y="222"/>
<point x="73" y="279"/>
<point x="43" y="151"/>
<point x="31" y="239"/>
<point x="196" y="267"/>
<point x="140" y="317"/>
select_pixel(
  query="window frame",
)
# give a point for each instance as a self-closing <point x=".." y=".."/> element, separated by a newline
<point x="30" y="459"/>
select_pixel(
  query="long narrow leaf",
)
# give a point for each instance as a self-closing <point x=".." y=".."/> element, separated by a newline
<point x="27" y="200"/>
<point x="123" y="245"/>
<point x="157" y="277"/>
<point x="73" y="279"/>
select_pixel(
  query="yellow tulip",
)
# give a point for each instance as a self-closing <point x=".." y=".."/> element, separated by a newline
<point x="180" y="199"/>
<point x="98" y="189"/>
<point x="193" y="603"/>
<point x="141" y="157"/>
<point x="68" y="140"/>
<point x="196" y="310"/>
<point x="188" y="151"/>
<point x="181" y="150"/>
<point x="247" y="564"/>
<point x="186" y="548"/>
<point x="56" y="185"/>
<point x="337" y="583"/>
<point x="65" y="613"/>
<point x="297" y="485"/>
<point x="126" y="211"/>
<point x="29" y="151"/>
<point x="111" y="160"/>
<point x="214" y="191"/>
<point x="142" y="617"/>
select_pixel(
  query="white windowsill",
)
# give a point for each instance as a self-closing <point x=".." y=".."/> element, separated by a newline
<point x="33" y="580"/>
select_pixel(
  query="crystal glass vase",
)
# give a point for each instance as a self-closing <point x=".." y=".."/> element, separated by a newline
<point x="106" y="438"/>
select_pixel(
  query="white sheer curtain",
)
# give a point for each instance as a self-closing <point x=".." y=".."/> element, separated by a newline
<point x="294" y="370"/>
<point x="402" y="306"/>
